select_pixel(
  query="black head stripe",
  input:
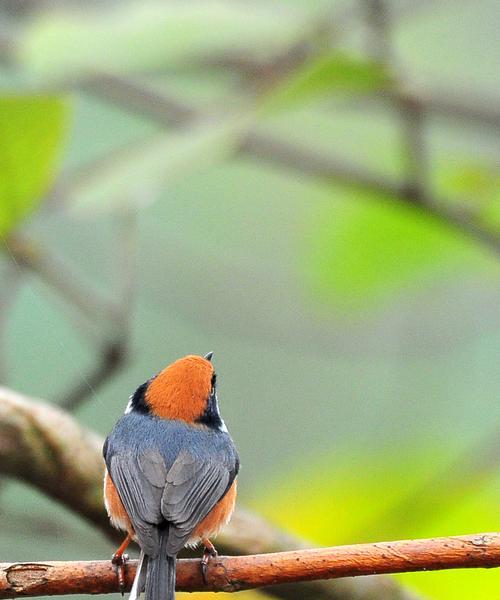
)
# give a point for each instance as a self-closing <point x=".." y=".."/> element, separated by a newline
<point x="211" y="417"/>
<point x="138" y="400"/>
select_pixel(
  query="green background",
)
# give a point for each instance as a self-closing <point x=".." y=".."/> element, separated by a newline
<point x="356" y="341"/>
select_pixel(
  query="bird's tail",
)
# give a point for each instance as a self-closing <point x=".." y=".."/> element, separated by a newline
<point x="160" y="574"/>
<point x="140" y="577"/>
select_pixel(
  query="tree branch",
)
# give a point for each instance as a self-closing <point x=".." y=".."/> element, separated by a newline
<point x="261" y="145"/>
<point x="106" y="321"/>
<point x="58" y="274"/>
<point x="48" y="449"/>
<point x="45" y="447"/>
<point x="235" y="573"/>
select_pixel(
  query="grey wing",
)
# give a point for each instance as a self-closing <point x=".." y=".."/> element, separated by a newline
<point x="170" y="484"/>
<point x="192" y="489"/>
<point x="140" y="481"/>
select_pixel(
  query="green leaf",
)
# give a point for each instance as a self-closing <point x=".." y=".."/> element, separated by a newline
<point x="323" y="76"/>
<point x="31" y="132"/>
<point x="136" y="174"/>
<point x="368" y="247"/>
<point x="475" y="186"/>
<point x="151" y="35"/>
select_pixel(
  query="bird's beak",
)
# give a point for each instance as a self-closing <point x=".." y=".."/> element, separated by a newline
<point x="208" y="356"/>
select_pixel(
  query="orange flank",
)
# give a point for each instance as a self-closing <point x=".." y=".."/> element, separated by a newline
<point x="114" y="506"/>
<point x="209" y="527"/>
<point x="217" y="518"/>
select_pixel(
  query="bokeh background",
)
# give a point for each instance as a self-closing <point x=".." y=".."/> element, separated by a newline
<point x="310" y="190"/>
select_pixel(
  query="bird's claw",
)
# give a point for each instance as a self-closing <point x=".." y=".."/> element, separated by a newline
<point x="207" y="554"/>
<point x="120" y="561"/>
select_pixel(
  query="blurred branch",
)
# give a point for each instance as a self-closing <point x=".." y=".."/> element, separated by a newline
<point x="264" y="146"/>
<point x="235" y="573"/>
<point x="331" y="169"/>
<point x="412" y="131"/>
<point x="45" y="447"/>
<point x="113" y="354"/>
<point x="100" y="312"/>
<point x="455" y="104"/>
<point x="10" y="277"/>
<point x="141" y="99"/>
<point x="412" y="115"/>
<point x="58" y="275"/>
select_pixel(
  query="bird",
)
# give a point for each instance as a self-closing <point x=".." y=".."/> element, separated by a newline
<point x="171" y="473"/>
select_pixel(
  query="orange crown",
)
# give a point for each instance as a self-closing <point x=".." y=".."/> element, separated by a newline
<point x="182" y="389"/>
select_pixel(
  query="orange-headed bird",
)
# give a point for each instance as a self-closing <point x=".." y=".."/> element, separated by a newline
<point x="171" y="472"/>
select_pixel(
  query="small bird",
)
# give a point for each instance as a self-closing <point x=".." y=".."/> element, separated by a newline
<point x="171" y="470"/>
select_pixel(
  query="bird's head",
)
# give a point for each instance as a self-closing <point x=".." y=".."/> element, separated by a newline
<point x="186" y="390"/>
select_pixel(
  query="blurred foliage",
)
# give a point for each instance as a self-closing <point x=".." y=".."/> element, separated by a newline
<point x="475" y="186"/>
<point x="325" y="75"/>
<point x="390" y="495"/>
<point x="402" y="250"/>
<point x="150" y="35"/>
<point x="32" y="130"/>
<point x="135" y="175"/>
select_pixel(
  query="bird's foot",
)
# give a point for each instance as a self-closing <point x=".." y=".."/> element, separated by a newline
<point x="210" y="552"/>
<point x="120" y="562"/>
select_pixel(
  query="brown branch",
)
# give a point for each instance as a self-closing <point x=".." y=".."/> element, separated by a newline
<point x="235" y="573"/>
<point x="45" y="447"/>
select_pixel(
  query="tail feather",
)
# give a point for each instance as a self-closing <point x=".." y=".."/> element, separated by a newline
<point x="160" y="574"/>
<point x="140" y="578"/>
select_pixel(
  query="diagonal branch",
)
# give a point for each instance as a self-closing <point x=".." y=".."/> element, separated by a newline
<point x="235" y="573"/>
<point x="58" y="274"/>
<point x="104" y="320"/>
<point x="45" y="447"/>
<point x="261" y="145"/>
<point x="331" y="169"/>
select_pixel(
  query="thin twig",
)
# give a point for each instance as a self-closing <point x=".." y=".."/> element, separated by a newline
<point x="103" y="317"/>
<point x="114" y="352"/>
<point x="235" y="573"/>
<point x="11" y="279"/>
<point x="62" y="278"/>
<point x="411" y="113"/>
<point x="100" y="313"/>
